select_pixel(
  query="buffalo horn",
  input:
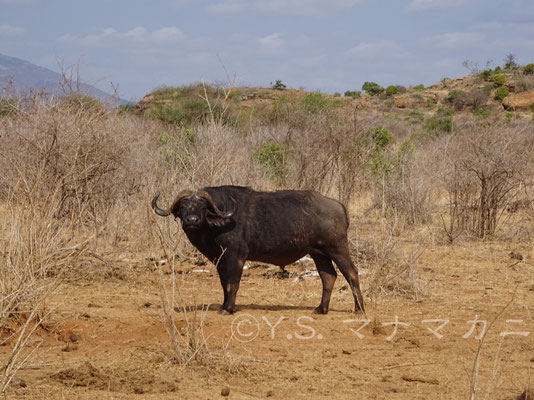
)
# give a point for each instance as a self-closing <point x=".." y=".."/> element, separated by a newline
<point x="157" y="210"/>
<point x="205" y="195"/>
<point x="165" y="213"/>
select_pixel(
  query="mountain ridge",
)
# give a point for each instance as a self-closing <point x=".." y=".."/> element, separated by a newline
<point x="19" y="76"/>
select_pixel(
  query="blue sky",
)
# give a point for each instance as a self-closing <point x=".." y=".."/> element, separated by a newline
<point x="325" y="45"/>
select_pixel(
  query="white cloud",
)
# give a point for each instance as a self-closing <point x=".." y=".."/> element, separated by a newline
<point x="271" y="43"/>
<point x="315" y="8"/>
<point x="489" y="26"/>
<point x="136" y="37"/>
<point x="9" y="30"/>
<point x="377" y="50"/>
<point x="424" y="5"/>
<point x="168" y="35"/>
<point x="453" y="40"/>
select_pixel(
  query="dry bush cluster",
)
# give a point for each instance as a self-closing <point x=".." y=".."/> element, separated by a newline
<point x="391" y="269"/>
<point x="484" y="173"/>
<point x="77" y="176"/>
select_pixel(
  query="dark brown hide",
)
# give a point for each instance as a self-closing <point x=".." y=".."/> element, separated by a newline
<point x="273" y="227"/>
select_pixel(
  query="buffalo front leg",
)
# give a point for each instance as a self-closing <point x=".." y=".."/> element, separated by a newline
<point x="230" y="270"/>
<point x="328" y="277"/>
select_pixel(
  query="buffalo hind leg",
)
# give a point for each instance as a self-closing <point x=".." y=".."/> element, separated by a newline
<point x="230" y="275"/>
<point x="328" y="276"/>
<point x="343" y="261"/>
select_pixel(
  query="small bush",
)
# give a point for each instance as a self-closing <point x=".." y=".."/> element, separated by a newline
<point x="498" y="79"/>
<point x="482" y="112"/>
<point x="445" y="111"/>
<point x="317" y="102"/>
<point x="392" y="90"/>
<point x="353" y="93"/>
<point x="528" y="69"/>
<point x="453" y="94"/>
<point x="419" y="87"/>
<point x="489" y="87"/>
<point x="278" y="85"/>
<point x="415" y="115"/>
<point x="501" y="93"/>
<point x="372" y="88"/>
<point x="273" y="157"/>
<point x="437" y="125"/>
<point x="168" y="114"/>
<point x="486" y="74"/>
<point x="381" y="137"/>
<point x="474" y="99"/>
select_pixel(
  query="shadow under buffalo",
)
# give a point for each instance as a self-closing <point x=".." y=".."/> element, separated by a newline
<point x="261" y="307"/>
<point x="245" y="307"/>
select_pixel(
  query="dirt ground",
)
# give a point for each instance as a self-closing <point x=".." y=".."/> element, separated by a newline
<point x="107" y="339"/>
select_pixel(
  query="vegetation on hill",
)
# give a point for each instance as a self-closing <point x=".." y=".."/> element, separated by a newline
<point x="242" y="107"/>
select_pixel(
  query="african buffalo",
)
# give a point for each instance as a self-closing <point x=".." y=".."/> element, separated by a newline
<point x="232" y="224"/>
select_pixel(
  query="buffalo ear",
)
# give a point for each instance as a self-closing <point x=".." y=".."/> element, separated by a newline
<point x="215" y="220"/>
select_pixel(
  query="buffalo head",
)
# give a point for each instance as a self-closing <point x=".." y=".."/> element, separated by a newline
<point x="194" y="209"/>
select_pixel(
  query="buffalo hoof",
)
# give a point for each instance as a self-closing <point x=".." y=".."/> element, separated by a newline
<point x="223" y="311"/>
<point x="320" y="310"/>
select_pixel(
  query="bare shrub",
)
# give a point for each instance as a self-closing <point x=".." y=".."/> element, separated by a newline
<point x="185" y="324"/>
<point x="391" y="269"/>
<point x="184" y="320"/>
<point x="483" y="170"/>
<point x="80" y="155"/>
<point x="329" y="154"/>
<point x="402" y="184"/>
<point x="473" y="99"/>
<point x="188" y="343"/>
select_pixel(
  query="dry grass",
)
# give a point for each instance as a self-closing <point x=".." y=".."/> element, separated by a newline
<point x="37" y="252"/>
<point x="77" y="181"/>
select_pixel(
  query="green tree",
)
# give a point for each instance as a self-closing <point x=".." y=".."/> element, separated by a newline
<point x="392" y="90"/>
<point x="278" y="85"/>
<point x="372" y="88"/>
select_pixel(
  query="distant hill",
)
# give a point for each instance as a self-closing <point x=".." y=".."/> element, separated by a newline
<point x="499" y="92"/>
<point x="21" y="76"/>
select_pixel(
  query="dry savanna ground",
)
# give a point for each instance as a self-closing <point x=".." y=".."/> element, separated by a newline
<point x="100" y="298"/>
<point x="107" y="338"/>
